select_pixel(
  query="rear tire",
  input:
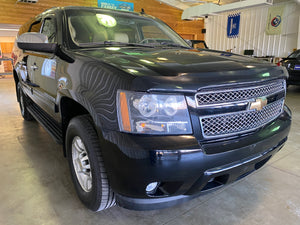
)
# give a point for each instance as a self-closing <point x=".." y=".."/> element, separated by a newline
<point x="23" y="103"/>
<point x="86" y="164"/>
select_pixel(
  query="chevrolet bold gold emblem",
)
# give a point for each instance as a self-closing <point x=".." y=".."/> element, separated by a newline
<point x="259" y="104"/>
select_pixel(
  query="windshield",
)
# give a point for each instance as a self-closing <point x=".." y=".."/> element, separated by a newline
<point x="94" y="28"/>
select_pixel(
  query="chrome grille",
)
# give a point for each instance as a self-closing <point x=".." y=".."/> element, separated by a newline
<point x="228" y="124"/>
<point x="231" y="95"/>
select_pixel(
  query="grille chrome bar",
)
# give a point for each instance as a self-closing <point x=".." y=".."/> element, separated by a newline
<point x="233" y="123"/>
<point x="239" y="94"/>
<point x="220" y="124"/>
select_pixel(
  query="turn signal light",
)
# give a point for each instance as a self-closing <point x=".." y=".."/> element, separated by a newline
<point x="124" y="112"/>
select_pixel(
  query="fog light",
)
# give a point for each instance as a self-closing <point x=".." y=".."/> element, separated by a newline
<point x="151" y="187"/>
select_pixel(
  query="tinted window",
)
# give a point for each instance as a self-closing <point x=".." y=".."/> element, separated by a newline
<point x="49" y="29"/>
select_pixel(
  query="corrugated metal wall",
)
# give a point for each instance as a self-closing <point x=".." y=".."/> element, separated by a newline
<point x="252" y="32"/>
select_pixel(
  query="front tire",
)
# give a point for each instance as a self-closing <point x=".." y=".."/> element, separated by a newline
<point x="86" y="164"/>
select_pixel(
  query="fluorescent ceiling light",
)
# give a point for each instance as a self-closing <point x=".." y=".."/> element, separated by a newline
<point x="9" y="29"/>
<point x="211" y="8"/>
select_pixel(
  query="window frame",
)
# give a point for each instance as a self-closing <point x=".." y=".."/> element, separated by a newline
<point x="37" y="21"/>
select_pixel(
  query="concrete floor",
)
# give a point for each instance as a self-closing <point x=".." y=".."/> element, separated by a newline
<point x="36" y="188"/>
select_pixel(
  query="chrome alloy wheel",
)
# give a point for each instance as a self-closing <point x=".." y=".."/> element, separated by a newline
<point x="81" y="164"/>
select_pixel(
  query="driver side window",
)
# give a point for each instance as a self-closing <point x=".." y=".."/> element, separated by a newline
<point x="35" y="26"/>
<point x="49" y="29"/>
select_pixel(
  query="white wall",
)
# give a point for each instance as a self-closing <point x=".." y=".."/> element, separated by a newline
<point x="252" y="32"/>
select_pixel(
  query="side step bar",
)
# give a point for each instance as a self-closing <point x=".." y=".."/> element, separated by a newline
<point x="53" y="128"/>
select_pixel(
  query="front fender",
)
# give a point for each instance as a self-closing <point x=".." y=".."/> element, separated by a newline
<point x="94" y="85"/>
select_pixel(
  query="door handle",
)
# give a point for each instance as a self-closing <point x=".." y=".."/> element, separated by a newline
<point x="34" y="67"/>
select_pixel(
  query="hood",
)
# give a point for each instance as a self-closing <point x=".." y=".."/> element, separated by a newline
<point x="158" y="69"/>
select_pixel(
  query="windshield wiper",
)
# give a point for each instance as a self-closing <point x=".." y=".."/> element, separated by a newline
<point x="168" y="44"/>
<point x="97" y="44"/>
<point x="148" y="45"/>
<point x="127" y="44"/>
<point x="174" y="45"/>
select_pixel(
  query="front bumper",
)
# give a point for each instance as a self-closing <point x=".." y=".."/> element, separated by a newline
<point x="213" y="178"/>
<point x="184" y="167"/>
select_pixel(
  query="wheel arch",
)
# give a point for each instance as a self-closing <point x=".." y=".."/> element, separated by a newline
<point x="69" y="109"/>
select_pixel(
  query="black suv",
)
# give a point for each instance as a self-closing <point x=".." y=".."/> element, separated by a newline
<point x="145" y="120"/>
<point x="292" y="64"/>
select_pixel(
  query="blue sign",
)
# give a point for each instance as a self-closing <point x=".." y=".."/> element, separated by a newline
<point x="118" y="5"/>
<point x="233" y="25"/>
<point x="297" y="67"/>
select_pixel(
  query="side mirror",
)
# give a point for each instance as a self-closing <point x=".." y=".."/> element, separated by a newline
<point x="36" y="42"/>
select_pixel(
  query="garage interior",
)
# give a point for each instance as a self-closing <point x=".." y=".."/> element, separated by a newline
<point x="36" y="186"/>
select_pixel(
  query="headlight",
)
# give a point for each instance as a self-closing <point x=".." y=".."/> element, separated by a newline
<point x="152" y="113"/>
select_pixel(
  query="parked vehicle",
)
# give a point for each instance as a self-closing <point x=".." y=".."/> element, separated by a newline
<point x="145" y="120"/>
<point x="292" y="64"/>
